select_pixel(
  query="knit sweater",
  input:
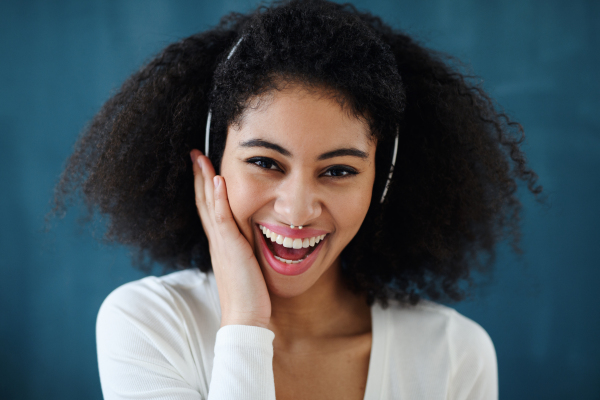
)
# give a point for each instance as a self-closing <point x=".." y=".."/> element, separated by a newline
<point x="159" y="338"/>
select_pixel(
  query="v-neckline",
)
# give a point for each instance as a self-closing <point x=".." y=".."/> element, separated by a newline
<point x="378" y="358"/>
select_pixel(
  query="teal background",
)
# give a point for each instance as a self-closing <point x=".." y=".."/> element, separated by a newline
<point x="60" y="60"/>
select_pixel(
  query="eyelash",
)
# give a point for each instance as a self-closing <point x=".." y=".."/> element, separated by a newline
<point x="347" y="171"/>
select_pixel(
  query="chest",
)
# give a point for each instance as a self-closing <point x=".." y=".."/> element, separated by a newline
<point x="335" y="369"/>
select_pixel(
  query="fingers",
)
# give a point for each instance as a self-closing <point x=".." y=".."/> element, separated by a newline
<point x="223" y="216"/>
<point x="198" y="179"/>
<point x="203" y="193"/>
<point x="203" y="174"/>
<point x="211" y="198"/>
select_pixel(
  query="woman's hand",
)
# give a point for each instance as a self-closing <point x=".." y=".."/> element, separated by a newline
<point x="242" y="288"/>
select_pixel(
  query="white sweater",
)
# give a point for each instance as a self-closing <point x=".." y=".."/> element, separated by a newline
<point x="159" y="338"/>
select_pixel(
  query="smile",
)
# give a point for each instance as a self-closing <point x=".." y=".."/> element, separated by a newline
<point x="290" y="243"/>
<point x="290" y="251"/>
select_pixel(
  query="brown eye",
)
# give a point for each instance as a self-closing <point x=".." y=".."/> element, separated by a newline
<point x="339" y="171"/>
<point x="264" y="162"/>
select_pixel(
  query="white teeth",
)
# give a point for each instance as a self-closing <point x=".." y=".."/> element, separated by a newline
<point x="296" y="243"/>
<point x="290" y="261"/>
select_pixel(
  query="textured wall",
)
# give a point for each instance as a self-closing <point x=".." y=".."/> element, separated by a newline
<point x="60" y="60"/>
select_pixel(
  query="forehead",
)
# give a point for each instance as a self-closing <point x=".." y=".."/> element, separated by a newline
<point x="303" y="121"/>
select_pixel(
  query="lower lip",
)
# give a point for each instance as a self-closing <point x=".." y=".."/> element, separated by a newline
<point x="285" y="268"/>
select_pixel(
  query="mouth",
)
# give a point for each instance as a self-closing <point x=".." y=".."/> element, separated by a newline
<point x="292" y="254"/>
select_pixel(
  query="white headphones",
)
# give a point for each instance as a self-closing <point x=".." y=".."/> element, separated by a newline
<point x="207" y="136"/>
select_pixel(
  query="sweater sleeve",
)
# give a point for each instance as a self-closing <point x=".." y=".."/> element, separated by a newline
<point x="144" y="352"/>
<point x="243" y="364"/>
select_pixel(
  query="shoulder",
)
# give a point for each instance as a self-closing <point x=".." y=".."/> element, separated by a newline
<point x="439" y="341"/>
<point x="432" y="322"/>
<point x="153" y="294"/>
<point x="163" y="328"/>
<point x="183" y="298"/>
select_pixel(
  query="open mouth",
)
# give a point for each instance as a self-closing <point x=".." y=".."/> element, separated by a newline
<point x="290" y="255"/>
<point x="290" y="250"/>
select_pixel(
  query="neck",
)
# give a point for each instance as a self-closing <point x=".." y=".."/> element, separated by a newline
<point x="328" y="309"/>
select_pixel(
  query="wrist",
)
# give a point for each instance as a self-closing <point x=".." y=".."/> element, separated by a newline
<point x="261" y="323"/>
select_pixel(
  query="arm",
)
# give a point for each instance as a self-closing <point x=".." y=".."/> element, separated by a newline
<point x="143" y="349"/>
<point x="243" y="364"/>
<point x="146" y="351"/>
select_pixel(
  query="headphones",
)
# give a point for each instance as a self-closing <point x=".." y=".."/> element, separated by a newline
<point x="209" y="117"/>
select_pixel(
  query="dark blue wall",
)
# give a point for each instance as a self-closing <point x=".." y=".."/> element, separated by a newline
<point x="60" y="60"/>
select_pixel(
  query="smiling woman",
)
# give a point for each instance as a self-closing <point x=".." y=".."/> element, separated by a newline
<point x="352" y="173"/>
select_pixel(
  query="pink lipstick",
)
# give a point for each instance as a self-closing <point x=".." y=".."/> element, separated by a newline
<point x="290" y="251"/>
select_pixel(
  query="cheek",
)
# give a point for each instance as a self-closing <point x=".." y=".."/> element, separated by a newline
<point x="246" y="197"/>
<point x="351" y="210"/>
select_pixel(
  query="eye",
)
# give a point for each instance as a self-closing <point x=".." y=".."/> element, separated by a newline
<point x="340" y="171"/>
<point x="264" y="162"/>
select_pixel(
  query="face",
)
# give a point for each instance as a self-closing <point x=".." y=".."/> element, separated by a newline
<point x="298" y="160"/>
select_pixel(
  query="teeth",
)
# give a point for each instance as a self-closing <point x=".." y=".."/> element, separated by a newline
<point x="290" y="261"/>
<point x="287" y="242"/>
<point x="295" y="243"/>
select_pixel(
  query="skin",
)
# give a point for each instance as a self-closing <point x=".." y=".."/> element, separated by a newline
<point x="322" y="330"/>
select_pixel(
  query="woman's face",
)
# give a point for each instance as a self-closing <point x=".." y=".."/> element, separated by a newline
<point x="300" y="160"/>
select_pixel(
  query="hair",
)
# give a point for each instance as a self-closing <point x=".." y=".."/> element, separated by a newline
<point x="452" y="197"/>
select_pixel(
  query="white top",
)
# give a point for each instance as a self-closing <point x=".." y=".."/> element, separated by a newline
<point x="159" y="338"/>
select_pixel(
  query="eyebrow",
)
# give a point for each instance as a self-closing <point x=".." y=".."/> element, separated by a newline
<point x="266" y="145"/>
<point x="344" y="152"/>
<point x="350" y="151"/>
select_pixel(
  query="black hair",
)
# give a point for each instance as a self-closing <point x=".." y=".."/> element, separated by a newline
<point x="453" y="192"/>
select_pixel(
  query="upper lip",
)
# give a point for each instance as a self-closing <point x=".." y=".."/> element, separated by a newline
<point x="286" y="231"/>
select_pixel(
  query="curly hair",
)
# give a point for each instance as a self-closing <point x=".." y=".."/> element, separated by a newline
<point x="453" y="192"/>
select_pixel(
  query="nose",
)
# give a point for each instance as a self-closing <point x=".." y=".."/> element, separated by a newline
<point x="298" y="201"/>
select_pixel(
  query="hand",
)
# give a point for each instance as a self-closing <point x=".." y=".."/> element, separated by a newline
<point x="242" y="289"/>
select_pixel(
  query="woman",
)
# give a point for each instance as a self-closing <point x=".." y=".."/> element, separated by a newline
<point x="346" y="173"/>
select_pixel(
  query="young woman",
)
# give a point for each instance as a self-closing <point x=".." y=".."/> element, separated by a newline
<point x="313" y="174"/>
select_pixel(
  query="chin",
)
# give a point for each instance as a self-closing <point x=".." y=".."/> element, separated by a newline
<point x="288" y="288"/>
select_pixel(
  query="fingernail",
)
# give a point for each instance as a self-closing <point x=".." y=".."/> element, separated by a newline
<point x="199" y="162"/>
<point x="216" y="181"/>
